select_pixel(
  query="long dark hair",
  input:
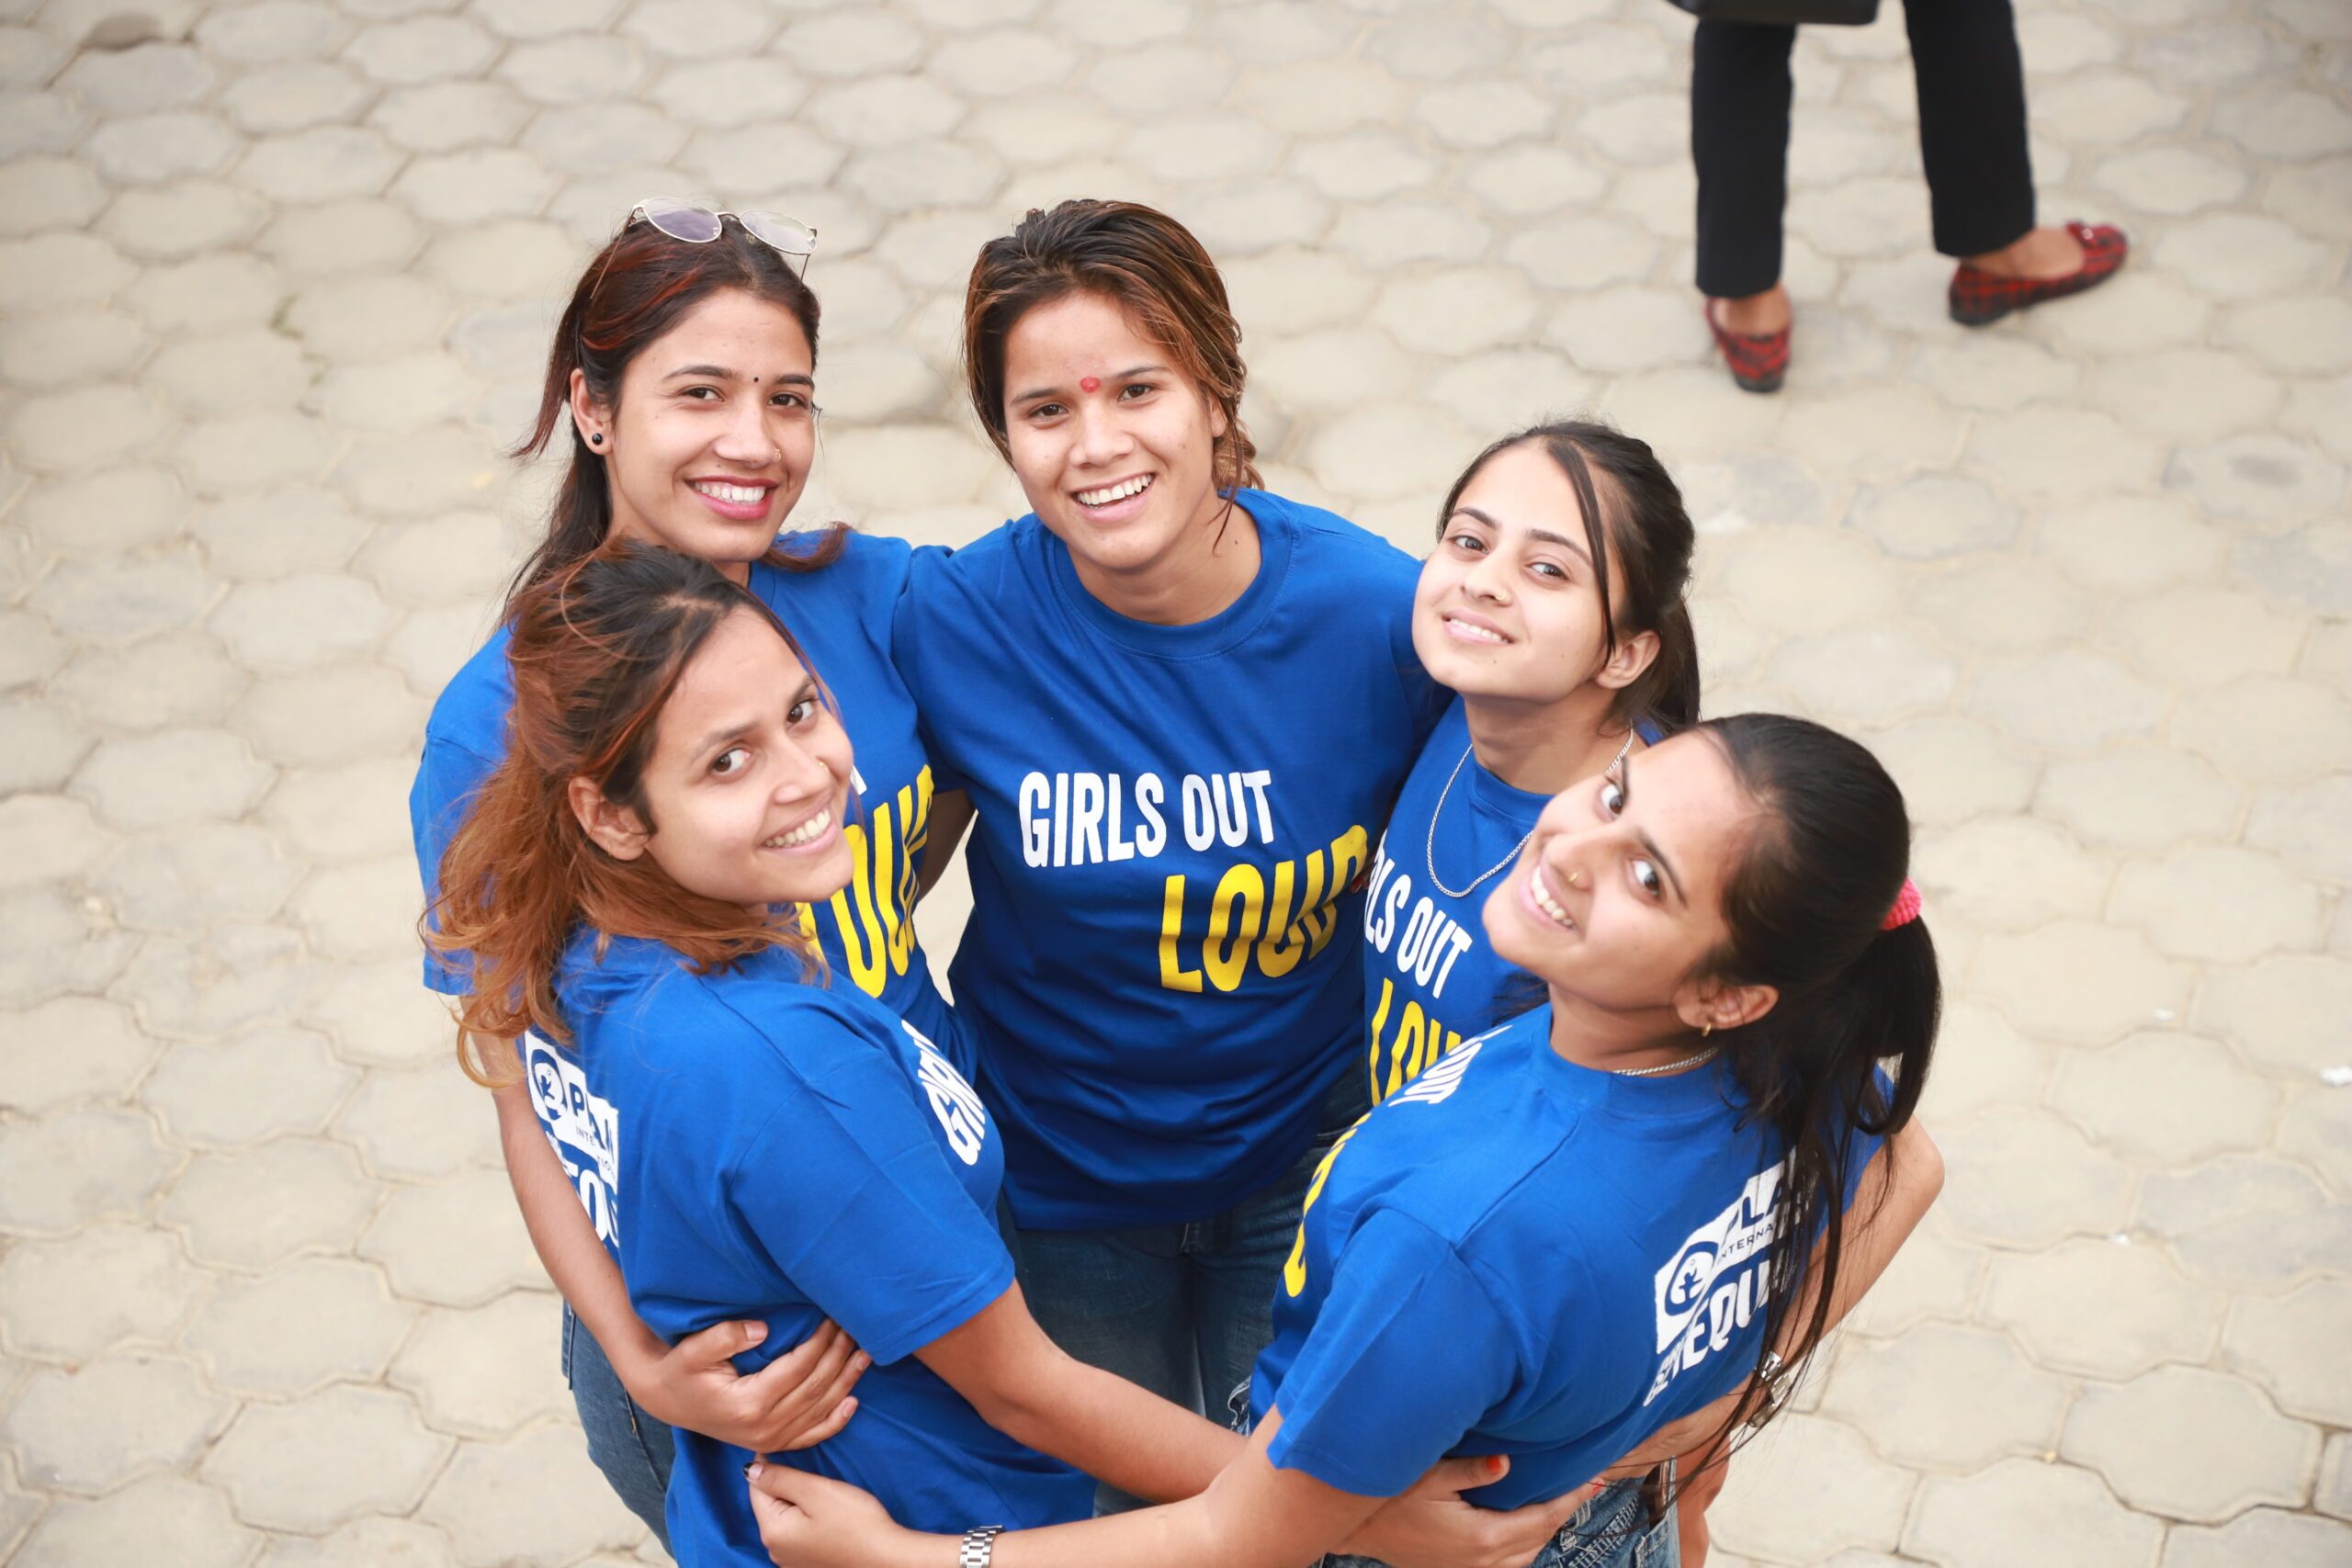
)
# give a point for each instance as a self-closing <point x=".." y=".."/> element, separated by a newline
<point x="598" y="646"/>
<point x="642" y="284"/>
<point x="1157" y="272"/>
<point x="1805" y="910"/>
<point x="1637" y="515"/>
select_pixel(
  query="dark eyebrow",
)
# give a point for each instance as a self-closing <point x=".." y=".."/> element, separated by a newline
<point x="1624" y="798"/>
<point x="720" y="373"/>
<point x="734" y="731"/>
<point x="1129" y="374"/>
<point x="1543" y="534"/>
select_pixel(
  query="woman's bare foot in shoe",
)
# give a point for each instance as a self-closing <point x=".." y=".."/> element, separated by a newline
<point x="1757" y="315"/>
<point x="2042" y="252"/>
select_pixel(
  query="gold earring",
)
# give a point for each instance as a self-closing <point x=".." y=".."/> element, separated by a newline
<point x="1706" y="1029"/>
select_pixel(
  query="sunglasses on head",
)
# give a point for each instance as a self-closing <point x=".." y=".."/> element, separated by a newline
<point x="699" y="226"/>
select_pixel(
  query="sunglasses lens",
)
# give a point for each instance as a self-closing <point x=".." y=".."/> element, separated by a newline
<point x="793" y="239"/>
<point x="680" y="221"/>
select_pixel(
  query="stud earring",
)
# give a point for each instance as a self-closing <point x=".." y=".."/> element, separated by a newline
<point x="597" y="439"/>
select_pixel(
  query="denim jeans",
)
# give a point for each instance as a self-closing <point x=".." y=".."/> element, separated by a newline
<point x="1181" y="1310"/>
<point x="629" y="1446"/>
<point x="1613" y="1531"/>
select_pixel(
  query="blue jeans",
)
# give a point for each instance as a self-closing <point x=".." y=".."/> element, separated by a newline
<point x="1181" y="1310"/>
<point x="1614" y="1530"/>
<point x="629" y="1446"/>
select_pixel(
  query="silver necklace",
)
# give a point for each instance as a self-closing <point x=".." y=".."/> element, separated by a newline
<point x="1667" y="1067"/>
<point x="1429" y="848"/>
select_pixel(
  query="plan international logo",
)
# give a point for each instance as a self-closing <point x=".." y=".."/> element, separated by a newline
<point x="1714" y="1286"/>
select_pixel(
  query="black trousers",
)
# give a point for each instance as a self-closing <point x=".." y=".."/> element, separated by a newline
<point x="1972" y="136"/>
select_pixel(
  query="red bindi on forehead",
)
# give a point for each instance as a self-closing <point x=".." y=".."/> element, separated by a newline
<point x="1090" y="383"/>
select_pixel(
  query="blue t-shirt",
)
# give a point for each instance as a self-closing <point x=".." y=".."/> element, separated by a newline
<point x="840" y="615"/>
<point x="1174" y="825"/>
<point x="1518" y="1256"/>
<point x="790" y="1152"/>
<point x="1431" y="979"/>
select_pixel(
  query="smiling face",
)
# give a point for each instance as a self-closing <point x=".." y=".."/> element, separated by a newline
<point x="749" y="774"/>
<point x="709" y="444"/>
<point x="1112" y="445"/>
<point x="1509" y="605"/>
<point x="1617" y="899"/>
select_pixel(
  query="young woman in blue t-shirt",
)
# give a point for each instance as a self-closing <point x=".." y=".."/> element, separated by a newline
<point x="1593" y="1223"/>
<point x="682" y="384"/>
<point x="769" y="1143"/>
<point x="1182" y="707"/>
<point x="1553" y="608"/>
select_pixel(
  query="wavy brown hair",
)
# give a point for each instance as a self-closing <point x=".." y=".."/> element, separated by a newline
<point x="1145" y="262"/>
<point x="597" y="647"/>
<point x="639" y="286"/>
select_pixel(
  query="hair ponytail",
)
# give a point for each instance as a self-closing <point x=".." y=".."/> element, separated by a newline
<point x="597" y="647"/>
<point x="1805" y="912"/>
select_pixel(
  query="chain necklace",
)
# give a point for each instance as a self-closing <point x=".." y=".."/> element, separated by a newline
<point x="1667" y="1067"/>
<point x="1428" y="850"/>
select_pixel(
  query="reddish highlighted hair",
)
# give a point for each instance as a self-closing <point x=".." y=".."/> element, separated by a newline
<point x="598" y="646"/>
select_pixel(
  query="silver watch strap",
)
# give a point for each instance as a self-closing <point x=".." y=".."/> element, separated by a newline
<point x="979" y="1547"/>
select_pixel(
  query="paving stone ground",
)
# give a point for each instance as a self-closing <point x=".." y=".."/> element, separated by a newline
<point x="274" y="285"/>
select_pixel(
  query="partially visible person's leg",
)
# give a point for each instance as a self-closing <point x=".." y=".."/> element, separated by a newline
<point x="1119" y="1299"/>
<point x="632" y="1450"/>
<point x="1971" y="122"/>
<point x="1740" y="90"/>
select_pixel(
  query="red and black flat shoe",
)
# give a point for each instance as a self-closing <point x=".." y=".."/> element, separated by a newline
<point x="1758" y="361"/>
<point x="1979" y="296"/>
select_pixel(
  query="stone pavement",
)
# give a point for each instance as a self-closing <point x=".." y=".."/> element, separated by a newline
<point x="273" y="289"/>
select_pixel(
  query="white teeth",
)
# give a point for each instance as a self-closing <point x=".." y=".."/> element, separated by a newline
<point x="805" y="833"/>
<point x="1119" y="491"/>
<point x="735" y="495"/>
<point x="1476" y="632"/>
<point x="1544" y="899"/>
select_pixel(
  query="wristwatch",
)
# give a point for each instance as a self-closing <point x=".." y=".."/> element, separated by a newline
<point x="979" y="1547"/>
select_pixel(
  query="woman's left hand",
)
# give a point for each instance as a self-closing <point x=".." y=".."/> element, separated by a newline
<point x="813" y="1521"/>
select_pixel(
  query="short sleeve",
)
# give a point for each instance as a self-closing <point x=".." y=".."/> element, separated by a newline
<point x="848" y="1188"/>
<point x="1408" y="1353"/>
<point x="928" y="587"/>
<point x="448" y="776"/>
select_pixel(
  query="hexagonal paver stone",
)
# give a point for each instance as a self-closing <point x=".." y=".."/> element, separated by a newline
<point x="535" y="1500"/>
<point x="457" y="1245"/>
<point x="352" y="811"/>
<point x="301" y="620"/>
<point x="2244" y="1220"/>
<point x="313" y="1321"/>
<point x="2025" y="1511"/>
<point x="276" y="1081"/>
<point x="2317" y="1130"/>
<point x="2227" y="906"/>
<point x="331" y="713"/>
<point x="2175" y="1098"/>
<point x="218" y="871"/>
<point x="2265" y="1535"/>
<point x="56" y="945"/>
<point x="421" y="1124"/>
<point x="76" y="1166"/>
<point x="75" y="1296"/>
<point x="2301" y="824"/>
<point x="181" y="679"/>
<point x="1933" y="1277"/>
<point x="2287" y="1011"/>
<point x="172" y="779"/>
<point x="91" y="1429"/>
<point x="233" y="976"/>
<point x="2267" y="728"/>
<point x="326" y="1458"/>
<point x="37" y="1069"/>
<point x="2104" y="1308"/>
<point x="486" y="1371"/>
<point x="2140" y="797"/>
<point x="2009" y="872"/>
<point x="2299" y="1348"/>
<point x="1778" y="1503"/>
<point x="365" y="910"/>
<point x="374" y="1543"/>
<point x="2333" y="1493"/>
<point x="128" y="1526"/>
<point x="2078" y="980"/>
<point x="2023" y="1178"/>
<point x="2069" y="699"/>
<point x="1946" y="1398"/>
<point x="1980" y="1064"/>
<point x="379" y="1014"/>
<point x="251" y="1210"/>
<point x="2245" y="1452"/>
<point x="118" y="599"/>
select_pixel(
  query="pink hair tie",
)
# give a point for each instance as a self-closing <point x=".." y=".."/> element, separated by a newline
<point x="1906" y="907"/>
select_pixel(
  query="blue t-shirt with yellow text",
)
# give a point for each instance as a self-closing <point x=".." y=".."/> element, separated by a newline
<point x="1515" y="1255"/>
<point x="1162" y="973"/>
<point x="786" y="1152"/>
